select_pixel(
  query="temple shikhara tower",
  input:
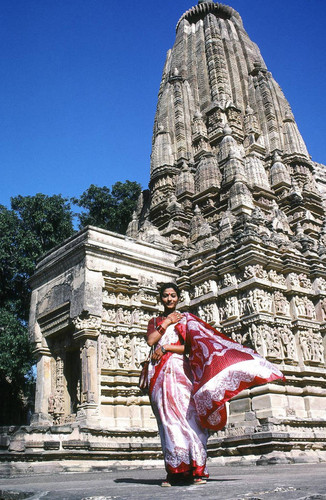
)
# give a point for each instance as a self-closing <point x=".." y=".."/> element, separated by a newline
<point x="235" y="214"/>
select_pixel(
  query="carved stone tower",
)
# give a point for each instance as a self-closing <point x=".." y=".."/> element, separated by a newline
<point x="234" y="190"/>
<point x="235" y="212"/>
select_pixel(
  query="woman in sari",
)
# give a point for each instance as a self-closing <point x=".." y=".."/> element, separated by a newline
<point x="188" y="392"/>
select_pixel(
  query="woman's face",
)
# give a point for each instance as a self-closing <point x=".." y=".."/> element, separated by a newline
<point x="169" y="299"/>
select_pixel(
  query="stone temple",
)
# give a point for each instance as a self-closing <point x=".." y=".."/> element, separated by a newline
<point x="235" y="213"/>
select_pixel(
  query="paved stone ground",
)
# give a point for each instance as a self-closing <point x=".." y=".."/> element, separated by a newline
<point x="274" y="482"/>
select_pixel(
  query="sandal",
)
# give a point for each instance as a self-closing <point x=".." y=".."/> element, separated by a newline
<point x="165" y="484"/>
<point x="199" y="480"/>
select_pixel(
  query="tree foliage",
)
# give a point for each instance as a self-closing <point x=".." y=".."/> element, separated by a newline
<point x="108" y="209"/>
<point x="16" y="377"/>
<point x="33" y="226"/>
<point x="15" y="348"/>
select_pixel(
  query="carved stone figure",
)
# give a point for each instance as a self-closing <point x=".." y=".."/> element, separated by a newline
<point x="185" y="297"/>
<point x="281" y="304"/>
<point x="120" y="318"/>
<point x="255" y="271"/>
<point x="323" y="308"/>
<point x="140" y="349"/>
<point x="288" y="344"/>
<point x="231" y="309"/>
<point x="229" y="280"/>
<point x="108" y="352"/>
<point x="304" y="281"/>
<point x="294" y="279"/>
<point x="135" y="316"/>
<point x="320" y="284"/>
<point x="304" y="307"/>
<point x="274" y="277"/>
<point x="209" y="313"/>
<point x="109" y="315"/>
<point x="311" y="346"/>
<point x="256" y="338"/>
<point x="87" y="322"/>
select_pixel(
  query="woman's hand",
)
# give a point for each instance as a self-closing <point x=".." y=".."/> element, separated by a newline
<point x="157" y="354"/>
<point x="171" y="348"/>
<point x="174" y="317"/>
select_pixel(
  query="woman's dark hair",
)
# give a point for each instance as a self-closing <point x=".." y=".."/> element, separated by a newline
<point x="170" y="285"/>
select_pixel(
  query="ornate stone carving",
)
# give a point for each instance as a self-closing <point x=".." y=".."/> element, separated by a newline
<point x="311" y="346"/>
<point x="229" y="280"/>
<point x="231" y="309"/>
<point x="204" y="288"/>
<point x="304" y="307"/>
<point x="323" y="308"/>
<point x="281" y="304"/>
<point x="109" y="315"/>
<point x="256" y="271"/>
<point x="320" y="284"/>
<point x="274" y="277"/>
<point x="141" y="350"/>
<point x="266" y="340"/>
<point x="56" y="401"/>
<point x="123" y="351"/>
<point x="87" y="323"/>
<point x="257" y="300"/>
<point x="287" y="339"/>
<point x="89" y="371"/>
<point x="209" y="313"/>
<point x="299" y="280"/>
<point x="108" y="352"/>
<point x="185" y="297"/>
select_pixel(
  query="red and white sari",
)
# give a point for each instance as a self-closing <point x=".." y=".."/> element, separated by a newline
<point x="188" y="394"/>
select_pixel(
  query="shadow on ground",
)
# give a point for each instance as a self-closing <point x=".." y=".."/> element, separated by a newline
<point x="157" y="482"/>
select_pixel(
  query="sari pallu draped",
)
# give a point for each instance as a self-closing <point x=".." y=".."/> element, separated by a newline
<point x="221" y="368"/>
<point x="170" y="389"/>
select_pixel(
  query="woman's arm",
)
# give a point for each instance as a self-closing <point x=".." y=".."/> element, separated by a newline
<point x="155" y="336"/>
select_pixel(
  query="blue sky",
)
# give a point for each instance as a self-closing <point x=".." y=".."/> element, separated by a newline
<point x="79" y="82"/>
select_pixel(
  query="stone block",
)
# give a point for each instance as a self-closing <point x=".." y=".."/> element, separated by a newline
<point x="17" y="445"/>
<point x="4" y="442"/>
<point x="270" y="405"/>
<point x="61" y="429"/>
<point x="75" y="444"/>
<point x="148" y="418"/>
<point x="239" y="406"/>
<point x="34" y="444"/>
<point x="315" y="406"/>
<point x="52" y="445"/>
<point x="135" y="416"/>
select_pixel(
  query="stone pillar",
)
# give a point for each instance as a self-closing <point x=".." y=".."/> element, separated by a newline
<point x="88" y="411"/>
<point x="43" y="388"/>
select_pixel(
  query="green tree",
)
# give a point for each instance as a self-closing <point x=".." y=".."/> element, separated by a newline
<point x="16" y="377"/>
<point x="108" y="209"/>
<point x="33" y="226"/>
